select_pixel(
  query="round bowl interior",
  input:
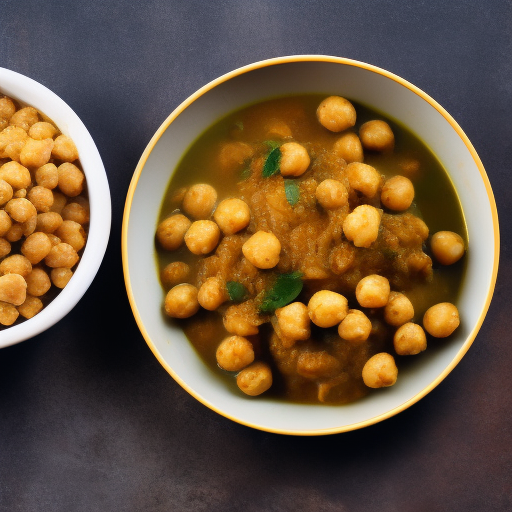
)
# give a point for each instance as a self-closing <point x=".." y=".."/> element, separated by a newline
<point x="30" y="92"/>
<point x="357" y="81"/>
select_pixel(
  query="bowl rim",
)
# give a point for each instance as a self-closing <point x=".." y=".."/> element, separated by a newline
<point x="294" y="59"/>
<point x="99" y="198"/>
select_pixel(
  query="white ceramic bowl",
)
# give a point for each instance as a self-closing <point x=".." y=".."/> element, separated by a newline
<point x="360" y="82"/>
<point x="30" y="92"/>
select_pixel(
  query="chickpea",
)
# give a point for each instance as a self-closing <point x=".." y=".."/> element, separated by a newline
<point x="71" y="233"/>
<point x="64" y="149"/>
<point x="5" y="247"/>
<point x="181" y="301"/>
<point x="8" y="314"/>
<point x="212" y="294"/>
<point x="20" y="210"/>
<point x="349" y="147"/>
<point x="13" y="289"/>
<point x="59" y="202"/>
<point x="5" y="222"/>
<point x="336" y="114"/>
<point x="262" y="250"/>
<point x="255" y="379"/>
<point x="175" y="273"/>
<point x="71" y="179"/>
<point x="199" y="201"/>
<point x="75" y="212"/>
<point x="293" y="322"/>
<point x="60" y="277"/>
<point x="355" y="327"/>
<point x="377" y="136"/>
<point x="6" y="192"/>
<point x="294" y="159"/>
<point x="170" y="233"/>
<point x="29" y="226"/>
<point x="7" y="108"/>
<point x="235" y="322"/>
<point x="48" y="222"/>
<point x="24" y="118"/>
<point x="447" y="247"/>
<point x="233" y="155"/>
<point x="47" y="176"/>
<point x="41" y="198"/>
<point x="363" y="178"/>
<point x="42" y="130"/>
<point x="16" y="264"/>
<point x="16" y="175"/>
<point x="380" y="371"/>
<point x="38" y="282"/>
<point x="30" y="307"/>
<point x="15" y="233"/>
<point x="36" y="153"/>
<point x="362" y="225"/>
<point x="399" y="309"/>
<point x="409" y="339"/>
<point x="202" y="237"/>
<point x="36" y="247"/>
<point x="397" y="193"/>
<point x="62" y="255"/>
<point x="331" y="194"/>
<point x="373" y="291"/>
<point x="234" y="353"/>
<point x="232" y="215"/>
<point x="441" y="320"/>
<point x="9" y="136"/>
<point x="327" y="308"/>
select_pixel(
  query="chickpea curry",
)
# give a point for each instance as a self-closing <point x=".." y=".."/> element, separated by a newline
<point x="308" y="246"/>
<point x="44" y="211"/>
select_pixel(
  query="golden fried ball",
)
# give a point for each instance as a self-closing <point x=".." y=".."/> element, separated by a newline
<point x="232" y="215"/>
<point x="398" y="310"/>
<point x="441" y="320"/>
<point x="409" y="339"/>
<point x="380" y="371"/>
<point x="181" y="301"/>
<point x="170" y="233"/>
<point x="327" y="308"/>
<point x="373" y="291"/>
<point x="234" y="353"/>
<point x="199" y="201"/>
<point x="262" y="250"/>
<point x="294" y="159"/>
<point x="447" y="247"/>
<point x="397" y="193"/>
<point x="255" y="379"/>
<point x="336" y="114"/>
<point x="377" y="135"/>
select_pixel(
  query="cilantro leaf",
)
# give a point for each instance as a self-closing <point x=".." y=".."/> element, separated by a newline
<point x="286" y="289"/>
<point x="292" y="191"/>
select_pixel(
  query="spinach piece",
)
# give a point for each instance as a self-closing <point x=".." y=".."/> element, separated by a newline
<point x="271" y="166"/>
<point x="292" y="191"/>
<point x="236" y="291"/>
<point x="286" y="289"/>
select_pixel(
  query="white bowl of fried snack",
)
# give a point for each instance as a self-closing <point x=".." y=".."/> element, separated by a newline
<point x="54" y="208"/>
<point x="366" y="84"/>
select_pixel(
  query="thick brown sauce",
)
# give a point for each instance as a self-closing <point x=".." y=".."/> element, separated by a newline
<point x="435" y="202"/>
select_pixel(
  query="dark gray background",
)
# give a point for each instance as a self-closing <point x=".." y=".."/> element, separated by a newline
<point x="90" y="421"/>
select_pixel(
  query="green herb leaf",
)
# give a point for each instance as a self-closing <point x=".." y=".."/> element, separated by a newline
<point x="272" y="144"/>
<point x="271" y="166"/>
<point x="286" y="289"/>
<point x="236" y="291"/>
<point x="292" y="191"/>
<point x="246" y="173"/>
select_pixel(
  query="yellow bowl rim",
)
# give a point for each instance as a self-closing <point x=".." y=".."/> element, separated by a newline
<point x="284" y="60"/>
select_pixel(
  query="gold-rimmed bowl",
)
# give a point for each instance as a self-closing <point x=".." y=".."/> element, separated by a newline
<point x="360" y="82"/>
